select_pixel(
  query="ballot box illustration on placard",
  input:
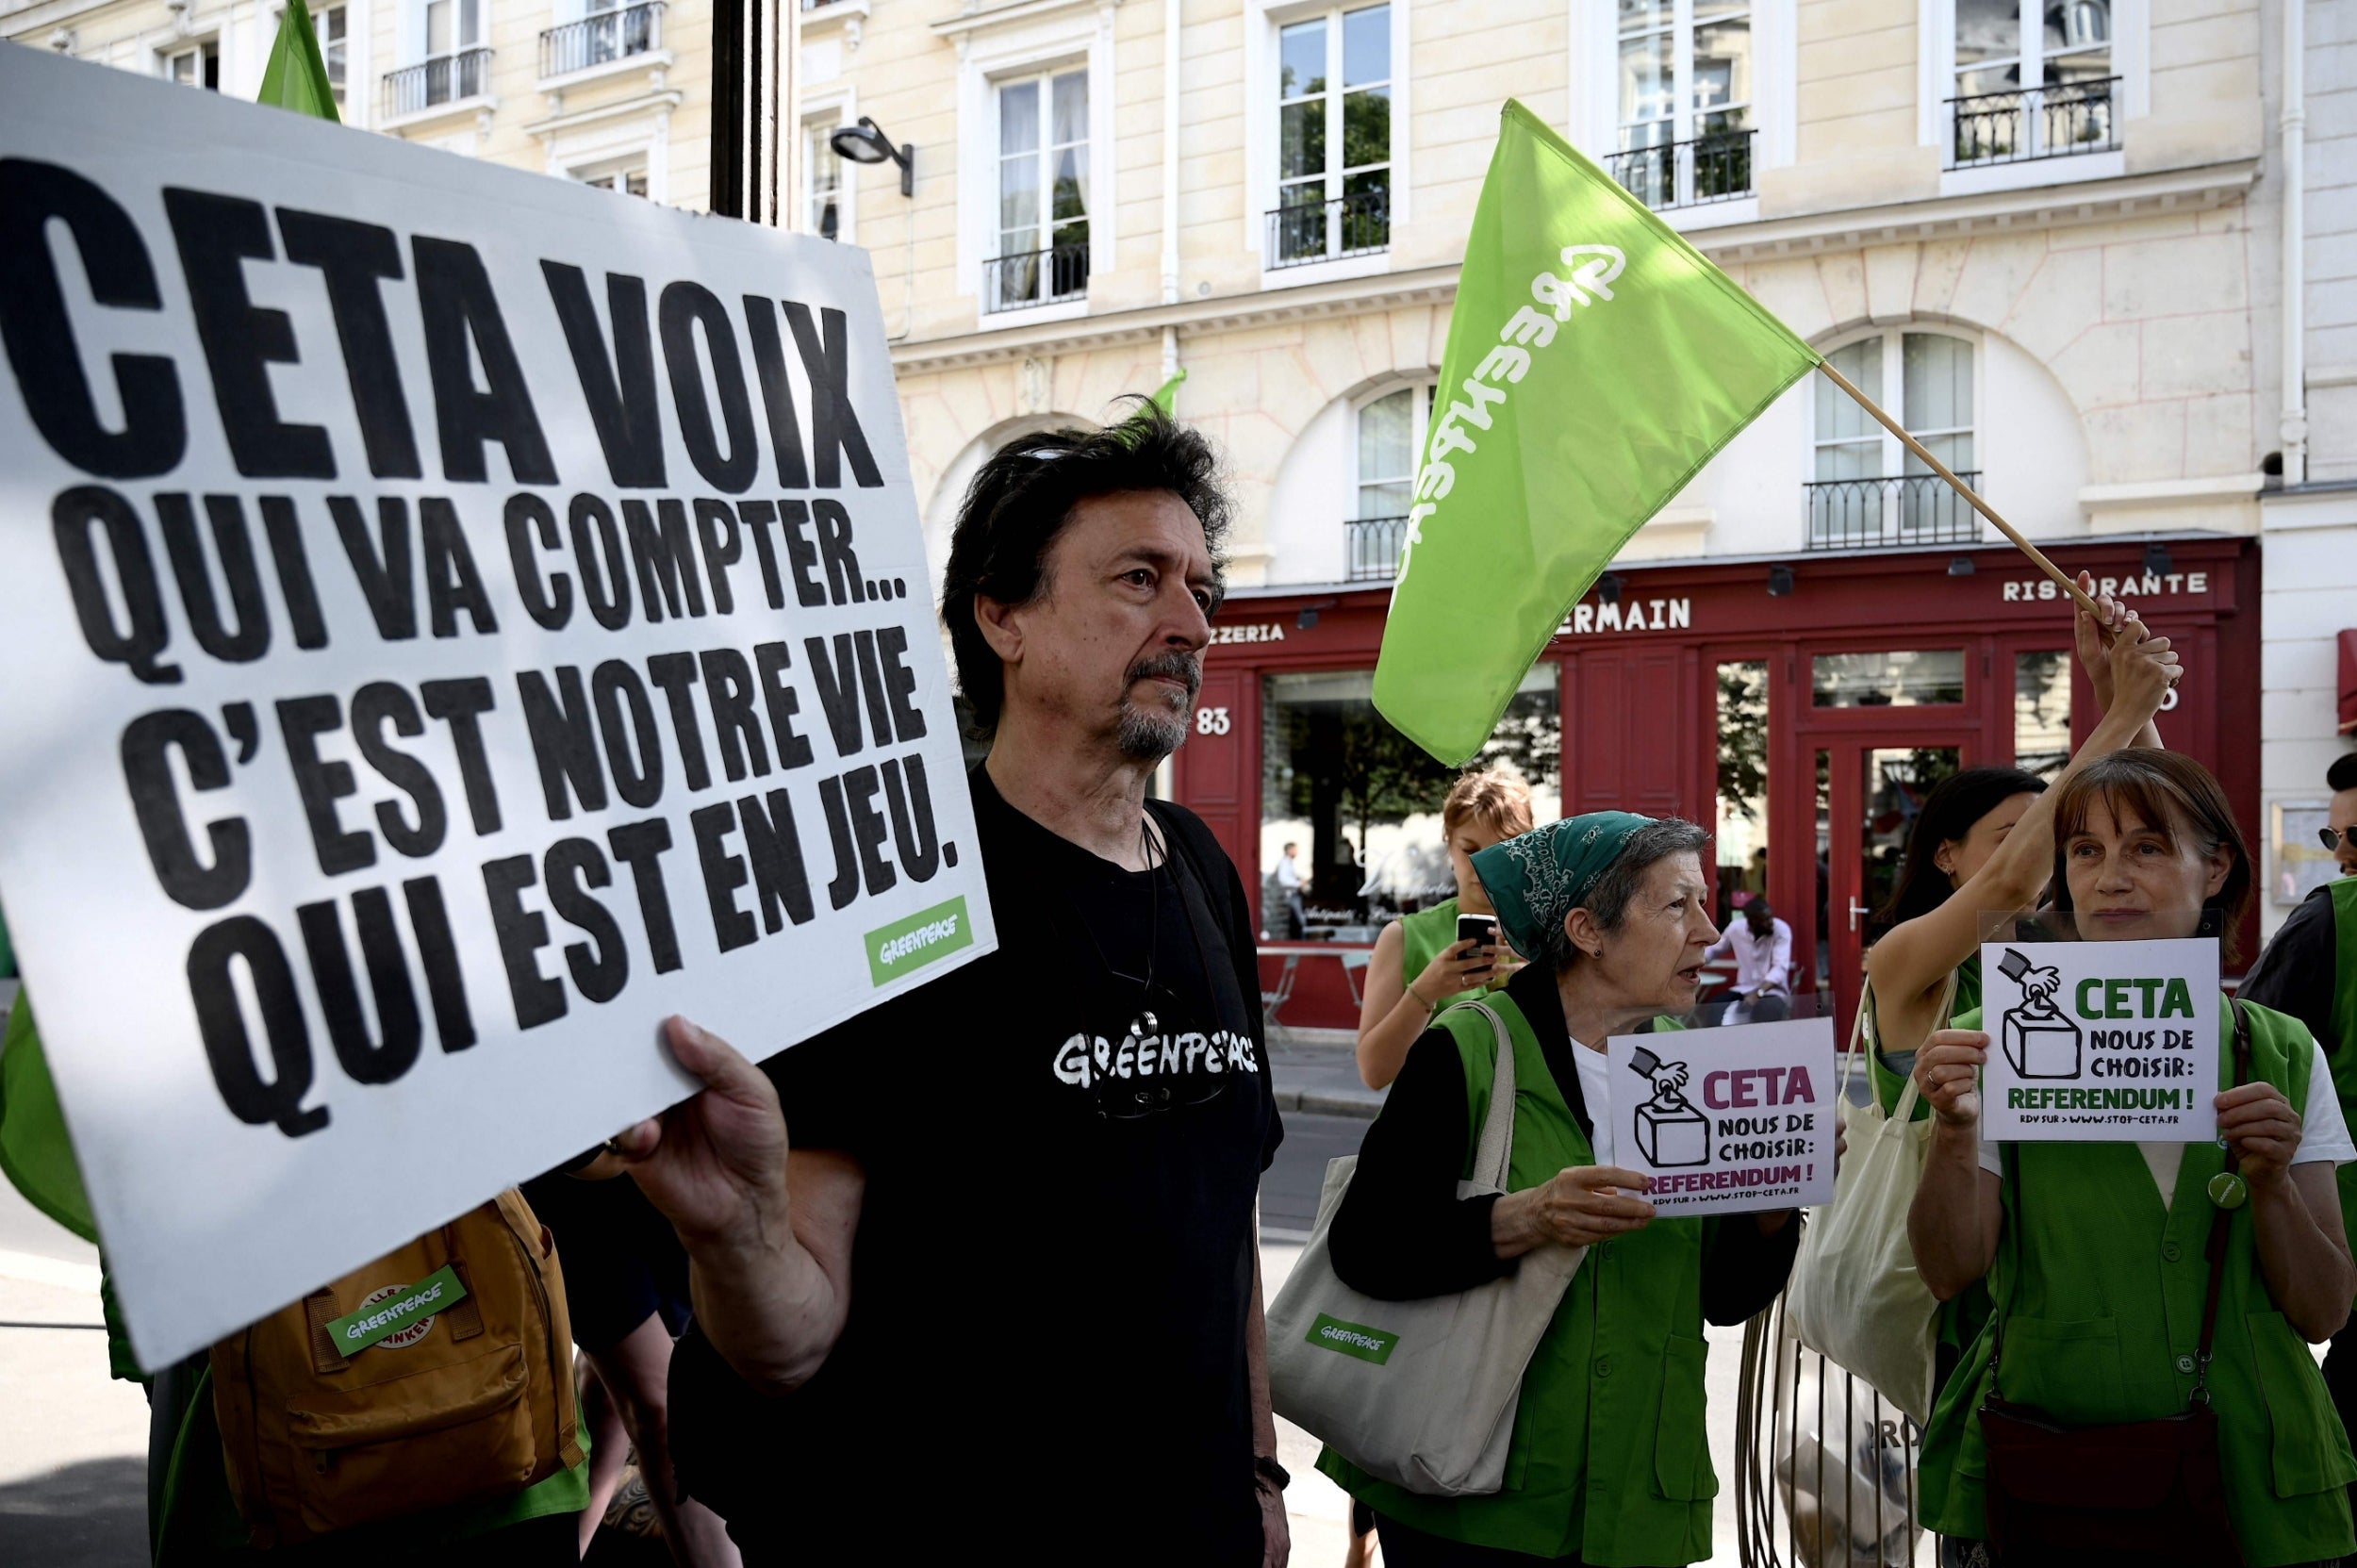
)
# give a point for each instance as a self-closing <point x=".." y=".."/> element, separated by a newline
<point x="2040" y="1041"/>
<point x="1669" y="1131"/>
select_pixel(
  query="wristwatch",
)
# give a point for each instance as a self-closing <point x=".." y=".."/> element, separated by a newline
<point x="1267" y="1469"/>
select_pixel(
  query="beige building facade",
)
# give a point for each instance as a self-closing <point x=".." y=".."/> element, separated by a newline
<point x="615" y="93"/>
<point x="2049" y="234"/>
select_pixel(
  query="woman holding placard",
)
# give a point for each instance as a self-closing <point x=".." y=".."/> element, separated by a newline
<point x="1609" y="1461"/>
<point x="1984" y="841"/>
<point x="2142" y="1389"/>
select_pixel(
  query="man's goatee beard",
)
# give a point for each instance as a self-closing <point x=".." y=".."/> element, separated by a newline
<point x="1144" y="737"/>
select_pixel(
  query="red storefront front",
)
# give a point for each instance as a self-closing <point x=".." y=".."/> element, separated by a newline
<point x="1848" y="682"/>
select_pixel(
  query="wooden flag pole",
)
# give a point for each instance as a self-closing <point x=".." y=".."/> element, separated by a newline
<point x="2035" y="555"/>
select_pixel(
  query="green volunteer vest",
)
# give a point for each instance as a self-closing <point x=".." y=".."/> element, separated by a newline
<point x="1609" y="1458"/>
<point x="2101" y="1292"/>
<point x="1421" y="937"/>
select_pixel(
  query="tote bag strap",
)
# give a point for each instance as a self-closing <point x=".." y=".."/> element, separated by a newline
<point x="1861" y="1031"/>
<point x="1496" y="1148"/>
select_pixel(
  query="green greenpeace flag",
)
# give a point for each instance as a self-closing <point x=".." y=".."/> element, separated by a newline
<point x="1595" y="362"/>
<point x="296" y="77"/>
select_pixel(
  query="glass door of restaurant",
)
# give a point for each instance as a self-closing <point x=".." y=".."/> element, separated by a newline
<point x="1883" y="728"/>
<point x="1870" y="790"/>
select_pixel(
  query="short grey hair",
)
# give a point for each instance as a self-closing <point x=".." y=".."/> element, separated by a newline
<point x="1608" y="902"/>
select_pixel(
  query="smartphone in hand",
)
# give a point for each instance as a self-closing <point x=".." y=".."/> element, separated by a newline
<point x="1483" y="930"/>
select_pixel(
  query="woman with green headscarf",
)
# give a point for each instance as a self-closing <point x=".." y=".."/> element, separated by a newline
<point x="1609" y="1463"/>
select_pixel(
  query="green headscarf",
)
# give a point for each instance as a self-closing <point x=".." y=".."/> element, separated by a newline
<point x="1538" y="878"/>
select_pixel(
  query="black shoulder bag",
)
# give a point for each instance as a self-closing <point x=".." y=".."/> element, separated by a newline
<point x="2143" y="1490"/>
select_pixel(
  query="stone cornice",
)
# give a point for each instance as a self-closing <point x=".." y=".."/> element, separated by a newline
<point x="1990" y="213"/>
<point x="1222" y="313"/>
<point x="1945" y="218"/>
<point x="975" y="18"/>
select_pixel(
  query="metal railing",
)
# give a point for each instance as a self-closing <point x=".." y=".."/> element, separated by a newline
<point x="1825" y="1466"/>
<point x="600" y="37"/>
<point x="1036" y="277"/>
<point x="1371" y="549"/>
<point x="437" y="79"/>
<point x="1915" y="508"/>
<point x="1303" y="232"/>
<point x="1709" y="169"/>
<point x="2033" y="123"/>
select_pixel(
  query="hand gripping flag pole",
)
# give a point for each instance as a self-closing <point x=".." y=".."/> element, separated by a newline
<point x="2037" y="555"/>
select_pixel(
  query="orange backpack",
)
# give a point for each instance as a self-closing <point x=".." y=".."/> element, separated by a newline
<point x="470" y="1403"/>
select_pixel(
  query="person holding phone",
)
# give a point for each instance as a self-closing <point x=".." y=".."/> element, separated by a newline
<point x="2099" y="1255"/>
<point x="1610" y="1453"/>
<point x="1425" y="961"/>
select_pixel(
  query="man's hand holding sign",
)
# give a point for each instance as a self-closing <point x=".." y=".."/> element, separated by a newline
<point x="438" y="659"/>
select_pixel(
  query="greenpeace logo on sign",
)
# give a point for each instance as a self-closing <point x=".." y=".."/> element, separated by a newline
<point x="912" y="944"/>
<point x="1353" y="1339"/>
<point x="1591" y="269"/>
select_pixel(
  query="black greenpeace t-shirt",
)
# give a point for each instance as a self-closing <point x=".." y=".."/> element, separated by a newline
<point x="1062" y="1142"/>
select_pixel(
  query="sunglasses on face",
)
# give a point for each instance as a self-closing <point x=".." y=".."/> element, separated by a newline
<point x="2332" y="836"/>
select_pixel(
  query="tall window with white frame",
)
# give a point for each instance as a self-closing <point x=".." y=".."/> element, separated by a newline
<point x="629" y="179"/>
<point x="823" y="214"/>
<point x="455" y="64"/>
<point x="2034" y="79"/>
<point x="332" y="24"/>
<point x="1043" y="253"/>
<point x="1685" y="89"/>
<point x="1391" y="434"/>
<point x="196" y="65"/>
<point x="1868" y="489"/>
<point x="1333" y="138"/>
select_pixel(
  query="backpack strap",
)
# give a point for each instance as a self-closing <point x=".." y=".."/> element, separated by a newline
<point x="319" y="1311"/>
<point x="465" y="1319"/>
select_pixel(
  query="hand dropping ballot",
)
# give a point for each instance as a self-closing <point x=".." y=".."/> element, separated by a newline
<point x="2092" y="1042"/>
<point x="1726" y="1119"/>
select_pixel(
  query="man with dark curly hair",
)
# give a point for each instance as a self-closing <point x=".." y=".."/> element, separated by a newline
<point x="1005" y="1281"/>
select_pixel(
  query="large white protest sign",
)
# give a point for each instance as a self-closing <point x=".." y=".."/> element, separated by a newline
<point x="455" y="619"/>
<point x="1727" y="1119"/>
<point x="2093" y="1042"/>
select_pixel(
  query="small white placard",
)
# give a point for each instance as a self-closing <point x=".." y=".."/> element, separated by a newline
<point x="1727" y="1119"/>
<point x="2100" y="1042"/>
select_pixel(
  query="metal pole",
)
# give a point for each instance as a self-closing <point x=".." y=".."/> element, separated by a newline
<point x="728" y="108"/>
<point x="1923" y="453"/>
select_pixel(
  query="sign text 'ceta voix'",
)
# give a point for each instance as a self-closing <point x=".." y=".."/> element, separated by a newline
<point x="449" y="602"/>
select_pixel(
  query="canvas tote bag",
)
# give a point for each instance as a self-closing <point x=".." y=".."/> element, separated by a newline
<point x="1855" y="1296"/>
<point x="1420" y="1393"/>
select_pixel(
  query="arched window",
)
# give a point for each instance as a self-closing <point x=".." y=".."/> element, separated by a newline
<point x="1390" y="435"/>
<point x="1868" y="490"/>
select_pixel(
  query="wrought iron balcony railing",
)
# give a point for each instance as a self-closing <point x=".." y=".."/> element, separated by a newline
<point x="600" y="37"/>
<point x="436" y="80"/>
<point x="1050" y="276"/>
<point x="1303" y="232"/>
<point x="1709" y="169"/>
<point x="2033" y="123"/>
<point x="1915" y="508"/>
<point x="1371" y="548"/>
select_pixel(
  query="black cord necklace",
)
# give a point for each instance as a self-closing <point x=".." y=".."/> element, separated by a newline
<point x="1146" y="1023"/>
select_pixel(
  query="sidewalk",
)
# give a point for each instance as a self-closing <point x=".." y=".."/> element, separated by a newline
<point x="1310" y="1073"/>
<point x="73" y="1450"/>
